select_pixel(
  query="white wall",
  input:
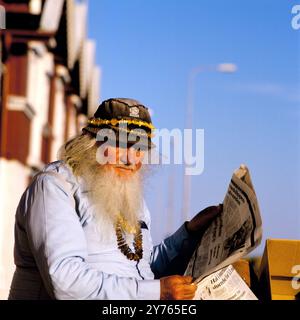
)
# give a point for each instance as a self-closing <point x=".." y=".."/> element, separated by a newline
<point x="59" y="119"/>
<point x="13" y="181"/>
<point x="72" y="123"/>
<point x="39" y="68"/>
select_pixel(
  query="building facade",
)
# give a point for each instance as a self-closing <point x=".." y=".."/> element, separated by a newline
<point x="49" y="86"/>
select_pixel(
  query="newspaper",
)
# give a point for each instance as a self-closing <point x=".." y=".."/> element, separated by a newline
<point x="225" y="284"/>
<point x="232" y="235"/>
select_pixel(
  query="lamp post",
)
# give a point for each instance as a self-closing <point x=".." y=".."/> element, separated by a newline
<point x="222" y="68"/>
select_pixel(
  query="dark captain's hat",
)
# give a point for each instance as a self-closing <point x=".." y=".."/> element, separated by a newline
<point x="128" y="119"/>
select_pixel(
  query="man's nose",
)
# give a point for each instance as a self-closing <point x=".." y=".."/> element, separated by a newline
<point x="126" y="156"/>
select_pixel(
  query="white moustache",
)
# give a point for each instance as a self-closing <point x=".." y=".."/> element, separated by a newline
<point x="125" y="167"/>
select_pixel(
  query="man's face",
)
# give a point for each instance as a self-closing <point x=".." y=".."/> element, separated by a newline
<point x="124" y="161"/>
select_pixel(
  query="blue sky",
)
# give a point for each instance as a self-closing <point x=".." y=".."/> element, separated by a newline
<point x="146" y="50"/>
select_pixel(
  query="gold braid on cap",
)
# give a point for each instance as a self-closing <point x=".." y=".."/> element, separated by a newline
<point x="114" y="122"/>
<point x="138" y="133"/>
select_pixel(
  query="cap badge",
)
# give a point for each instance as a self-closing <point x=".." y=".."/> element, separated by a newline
<point x="134" y="112"/>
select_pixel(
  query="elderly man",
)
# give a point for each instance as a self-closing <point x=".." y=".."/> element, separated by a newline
<point x="82" y="227"/>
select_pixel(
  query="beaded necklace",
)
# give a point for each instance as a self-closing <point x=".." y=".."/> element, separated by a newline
<point x="121" y="227"/>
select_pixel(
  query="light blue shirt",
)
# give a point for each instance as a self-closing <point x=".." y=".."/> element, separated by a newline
<point x="59" y="256"/>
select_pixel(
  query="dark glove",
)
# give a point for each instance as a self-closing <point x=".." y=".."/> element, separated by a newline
<point x="197" y="226"/>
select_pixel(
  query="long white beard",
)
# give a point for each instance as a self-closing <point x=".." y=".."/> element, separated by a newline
<point x="110" y="196"/>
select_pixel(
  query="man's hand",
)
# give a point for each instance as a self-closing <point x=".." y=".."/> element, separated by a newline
<point x="203" y="219"/>
<point x="177" y="288"/>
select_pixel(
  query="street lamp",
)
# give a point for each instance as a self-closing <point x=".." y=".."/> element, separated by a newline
<point x="226" y="67"/>
<point x="222" y="68"/>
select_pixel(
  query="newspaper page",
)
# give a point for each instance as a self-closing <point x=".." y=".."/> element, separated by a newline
<point x="225" y="284"/>
<point x="232" y="235"/>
